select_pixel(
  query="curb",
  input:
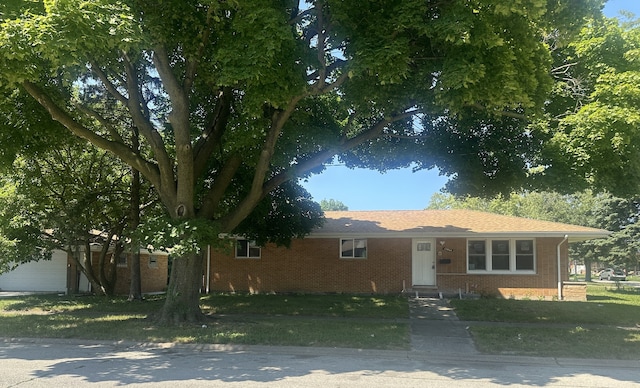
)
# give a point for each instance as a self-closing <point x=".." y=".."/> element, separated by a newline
<point x="429" y="358"/>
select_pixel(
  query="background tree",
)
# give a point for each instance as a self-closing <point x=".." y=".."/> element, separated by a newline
<point x="235" y="100"/>
<point x="83" y="199"/>
<point x="332" y="204"/>
<point x="593" y="114"/>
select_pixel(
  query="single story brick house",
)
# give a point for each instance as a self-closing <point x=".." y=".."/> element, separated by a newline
<point x="60" y="274"/>
<point x="425" y="251"/>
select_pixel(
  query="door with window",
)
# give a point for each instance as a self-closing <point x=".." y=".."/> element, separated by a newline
<point x="423" y="262"/>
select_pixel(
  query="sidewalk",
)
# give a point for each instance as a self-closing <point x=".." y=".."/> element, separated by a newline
<point x="437" y="335"/>
<point x="435" y="329"/>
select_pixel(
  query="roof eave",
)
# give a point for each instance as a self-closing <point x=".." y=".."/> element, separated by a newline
<point x="573" y="236"/>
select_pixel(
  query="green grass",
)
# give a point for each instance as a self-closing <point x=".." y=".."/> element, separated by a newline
<point x="286" y="320"/>
<point x="603" y="327"/>
<point x="573" y="342"/>
<point x="332" y="305"/>
<point x="606" y="305"/>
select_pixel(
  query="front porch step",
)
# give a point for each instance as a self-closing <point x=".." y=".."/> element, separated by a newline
<point x="423" y="291"/>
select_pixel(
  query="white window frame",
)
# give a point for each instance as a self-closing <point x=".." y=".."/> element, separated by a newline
<point x="488" y="244"/>
<point x="354" y="243"/>
<point x="251" y="245"/>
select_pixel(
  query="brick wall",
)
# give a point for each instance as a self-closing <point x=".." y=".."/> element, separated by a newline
<point x="574" y="291"/>
<point x="314" y="265"/>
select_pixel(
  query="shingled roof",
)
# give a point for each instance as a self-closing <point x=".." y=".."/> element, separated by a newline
<point x="445" y="223"/>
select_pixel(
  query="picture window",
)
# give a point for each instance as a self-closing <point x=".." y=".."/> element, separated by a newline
<point x="501" y="256"/>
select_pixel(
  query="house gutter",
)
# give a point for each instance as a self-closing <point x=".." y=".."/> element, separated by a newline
<point x="566" y="237"/>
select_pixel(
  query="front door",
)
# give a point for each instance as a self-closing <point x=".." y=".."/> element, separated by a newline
<point x="424" y="262"/>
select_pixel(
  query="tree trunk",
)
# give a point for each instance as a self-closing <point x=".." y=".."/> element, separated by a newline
<point x="135" y="285"/>
<point x="83" y="263"/>
<point x="587" y="270"/>
<point x="183" y="293"/>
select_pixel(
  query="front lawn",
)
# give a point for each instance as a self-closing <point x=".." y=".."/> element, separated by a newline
<point x="603" y="327"/>
<point x="287" y="320"/>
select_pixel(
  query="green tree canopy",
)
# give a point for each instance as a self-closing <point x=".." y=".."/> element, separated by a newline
<point x="82" y="197"/>
<point x="594" y="116"/>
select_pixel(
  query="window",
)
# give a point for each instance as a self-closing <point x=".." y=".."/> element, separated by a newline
<point x="477" y="255"/>
<point x="247" y="249"/>
<point x="501" y="256"/>
<point x="353" y="248"/>
<point x="423" y="247"/>
<point x="122" y="260"/>
<point x="153" y="261"/>
<point x="524" y="255"/>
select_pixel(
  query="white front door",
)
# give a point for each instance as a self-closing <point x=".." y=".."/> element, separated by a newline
<point x="424" y="262"/>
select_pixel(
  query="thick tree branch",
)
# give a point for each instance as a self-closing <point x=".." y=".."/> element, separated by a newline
<point x="256" y="192"/>
<point x="321" y="157"/>
<point x="179" y="119"/>
<point x="140" y="114"/>
<point x="210" y="139"/>
<point x="149" y="170"/>
<point x="113" y="132"/>
<point x="193" y="62"/>
<point x="211" y="202"/>
<point x="111" y="88"/>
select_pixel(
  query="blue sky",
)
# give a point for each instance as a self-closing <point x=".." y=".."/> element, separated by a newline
<point x="362" y="189"/>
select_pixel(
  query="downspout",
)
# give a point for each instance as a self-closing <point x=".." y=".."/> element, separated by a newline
<point x="208" y="268"/>
<point x="566" y="237"/>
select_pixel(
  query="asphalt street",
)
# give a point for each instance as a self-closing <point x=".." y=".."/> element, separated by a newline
<point x="46" y="363"/>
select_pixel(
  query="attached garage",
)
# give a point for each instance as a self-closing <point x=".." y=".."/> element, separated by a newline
<point x="41" y="276"/>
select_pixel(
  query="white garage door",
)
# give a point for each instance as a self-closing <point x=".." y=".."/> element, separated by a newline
<point x="44" y="276"/>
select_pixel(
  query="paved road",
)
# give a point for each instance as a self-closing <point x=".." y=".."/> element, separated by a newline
<point x="46" y="363"/>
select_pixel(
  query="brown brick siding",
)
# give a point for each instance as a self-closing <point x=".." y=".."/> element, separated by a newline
<point x="153" y="279"/>
<point x="314" y="265"/>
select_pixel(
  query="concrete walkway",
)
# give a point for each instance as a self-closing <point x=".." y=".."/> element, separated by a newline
<point x="435" y="329"/>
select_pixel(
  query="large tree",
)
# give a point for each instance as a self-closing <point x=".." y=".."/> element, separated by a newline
<point x="234" y="100"/>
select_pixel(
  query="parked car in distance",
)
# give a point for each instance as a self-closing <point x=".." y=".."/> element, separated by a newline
<point x="612" y="274"/>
